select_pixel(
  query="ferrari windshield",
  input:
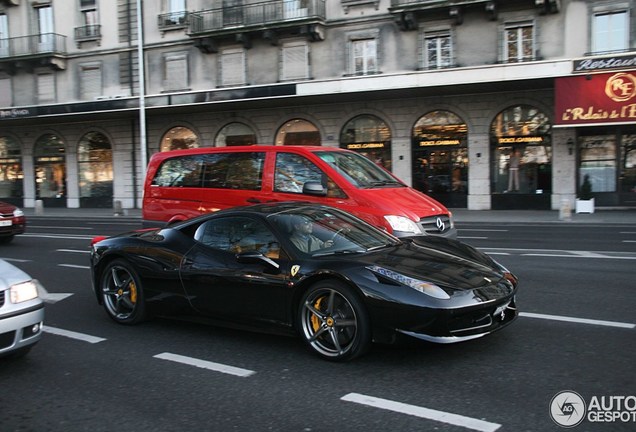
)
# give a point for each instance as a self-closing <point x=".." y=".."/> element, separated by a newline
<point x="358" y="170"/>
<point x="329" y="232"/>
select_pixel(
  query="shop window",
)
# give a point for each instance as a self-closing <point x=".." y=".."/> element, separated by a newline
<point x="298" y="132"/>
<point x="610" y="32"/>
<point x="90" y="81"/>
<point x="369" y="136"/>
<point x="179" y="138"/>
<point x="95" y="160"/>
<point x="522" y="151"/>
<point x="11" y="174"/>
<point x="49" y="157"/>
<point x="440" y="157"/>
<point x="627" y="177"/>
<point x="518" y="42"/>
<point x="598" y="161"/>
<point x="235" y="134"/>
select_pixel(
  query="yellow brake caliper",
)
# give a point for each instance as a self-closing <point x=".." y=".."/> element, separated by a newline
<point x="133" y="292"/>
<point x="315" y="321"/>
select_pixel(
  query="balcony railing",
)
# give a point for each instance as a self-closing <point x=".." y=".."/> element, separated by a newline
<point x="269" y="13"/>
<point x="434" y="3"/>
<point x="39" y="45"/>
<point x="172" y="20"/>
<point x="88" y="33"/>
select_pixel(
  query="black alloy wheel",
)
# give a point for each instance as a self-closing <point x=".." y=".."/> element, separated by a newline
<point x="122" y="293"/>
<point x="334" y="322"/>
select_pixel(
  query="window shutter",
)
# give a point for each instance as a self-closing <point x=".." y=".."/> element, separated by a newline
<point x="90" y="82"/>
<point x="5" y="92"/>
<point x="46" y="87"/>
<point x="176" y="72"/>
<point x="233" y="67"/>
<point x="295" y="62"/>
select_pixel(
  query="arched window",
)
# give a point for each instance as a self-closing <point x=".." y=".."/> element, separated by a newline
<point x="440" y="157"/>
<point x="234" y="134"/>
<point x="298" y="132"/>
<point x="521" y="148"/>
<point x="370" y="136"/>
<point x="49" y="157"/>
<point x="11" y="175"/>
<point x="179" y="138"/>
<point x="95" y="159"/>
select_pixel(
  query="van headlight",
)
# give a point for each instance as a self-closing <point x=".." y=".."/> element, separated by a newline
<point x="22" y="292"/>
<point x="424" y="287"/>
<point x="403" y="224"/>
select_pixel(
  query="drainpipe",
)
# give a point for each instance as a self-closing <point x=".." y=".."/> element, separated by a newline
<point x="142" y="88"/>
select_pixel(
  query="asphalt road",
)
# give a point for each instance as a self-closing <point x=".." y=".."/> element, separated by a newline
<point x="576" y="332"/>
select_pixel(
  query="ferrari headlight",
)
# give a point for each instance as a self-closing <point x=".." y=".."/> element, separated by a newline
<point x="23" y="292"/>
<point x="403" y="224"/>
<point x="424" y="287"/>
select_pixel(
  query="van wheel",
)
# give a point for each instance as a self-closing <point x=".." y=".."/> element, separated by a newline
<point x="334" y="322"/>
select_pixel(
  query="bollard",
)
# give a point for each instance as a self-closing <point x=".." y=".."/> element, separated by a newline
<point x="565" y="213"/>
<point x="39" y="207"/>
<point x="117" y="210"/>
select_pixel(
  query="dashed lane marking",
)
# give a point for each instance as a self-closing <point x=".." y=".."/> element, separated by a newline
<point x="73" y="335"/>
<point x="74" y="266"/>
<point x="578" y="320"/>
<point x="217" y="367"/>
<point x="73" y="251"/>
<point x="426" y="413"/>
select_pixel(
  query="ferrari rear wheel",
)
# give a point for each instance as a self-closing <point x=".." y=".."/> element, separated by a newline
<point x="334" y="322"/>
<point x="122" y="293"/>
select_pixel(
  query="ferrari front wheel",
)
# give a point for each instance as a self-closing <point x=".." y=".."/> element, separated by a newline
<point x="122" y="293"/>
<point x="334" y="322"/>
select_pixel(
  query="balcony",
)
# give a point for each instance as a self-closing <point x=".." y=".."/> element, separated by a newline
<point x="407" y="12"/>
<point x="88" y="33"/>
<point x="267" y="20"/>
<point x="29" y="52"/>
<point x="172" y="20"/>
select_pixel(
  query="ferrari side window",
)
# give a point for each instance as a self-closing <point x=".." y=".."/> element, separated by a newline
<point x="238" y="235"/>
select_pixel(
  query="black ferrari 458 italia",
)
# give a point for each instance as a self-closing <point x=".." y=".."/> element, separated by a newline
<point x="309" y="269"/>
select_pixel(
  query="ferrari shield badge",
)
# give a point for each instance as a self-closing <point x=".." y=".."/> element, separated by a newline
<point x="294" y="270"/>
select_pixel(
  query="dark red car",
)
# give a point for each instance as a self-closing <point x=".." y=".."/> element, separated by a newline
<point x="12" y="222"/>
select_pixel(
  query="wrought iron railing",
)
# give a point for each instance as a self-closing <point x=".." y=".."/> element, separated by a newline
<point x="172" y="19"/>
<point x="45" y="43"/>
<point x="269" y="12"/>
<point x="89" y="32"/>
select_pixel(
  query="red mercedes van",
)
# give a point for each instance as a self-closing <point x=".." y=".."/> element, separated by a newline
<point x="182" y="184"/>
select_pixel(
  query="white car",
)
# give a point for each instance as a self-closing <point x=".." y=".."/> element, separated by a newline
<point x="21" y="311"/>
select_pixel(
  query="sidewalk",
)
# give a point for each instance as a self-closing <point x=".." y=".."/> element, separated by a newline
<point x="613" y="216"/>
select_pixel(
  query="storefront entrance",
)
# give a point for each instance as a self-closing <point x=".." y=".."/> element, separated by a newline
<point x="440" y="158"/>
<point x="50" y="171"/>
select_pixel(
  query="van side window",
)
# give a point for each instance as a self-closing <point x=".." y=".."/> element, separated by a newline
<point x="233" y="170"/>
<point x="179" y="172"/>
<point x="215" y="170"/>
<point x="293" y="171"/>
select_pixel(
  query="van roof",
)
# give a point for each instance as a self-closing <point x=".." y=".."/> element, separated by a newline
<point x="257" y="147"/>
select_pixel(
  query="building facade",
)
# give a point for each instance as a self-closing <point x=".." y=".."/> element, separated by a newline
<point x="482" y="104"/>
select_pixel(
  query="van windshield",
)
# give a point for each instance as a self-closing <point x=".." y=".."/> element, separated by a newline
<point x="359" y="170"/>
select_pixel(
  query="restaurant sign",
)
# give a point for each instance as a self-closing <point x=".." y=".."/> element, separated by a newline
<point x="596" y="99"/>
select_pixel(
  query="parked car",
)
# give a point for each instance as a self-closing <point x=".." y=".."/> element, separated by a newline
<point x="340" y="283"/>
<point x="21" y="311"/>
<point x="182" y="184"/>
<point x="12" y="222"/>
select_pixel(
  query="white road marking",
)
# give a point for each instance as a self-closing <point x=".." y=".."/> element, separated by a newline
<point x="59" y="227"/>
<point x="556" y="253"/>
<point x="55" y="297"/>
<point x="73" y="251"/>
<point x="217" y="367"/>
<point x="73" y="335"/>
<point x="483" y="230"/>
<point x="74" y="266"/>
<point x="440" y="416"/>
<point x="578" y="320"/>
<point x="58" y="236"/>
<point x="16" y="260"/>
<point x="472" y="238"/>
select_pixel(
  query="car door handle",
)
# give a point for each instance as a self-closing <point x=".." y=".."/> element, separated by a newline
<point x="253" y="200"/>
